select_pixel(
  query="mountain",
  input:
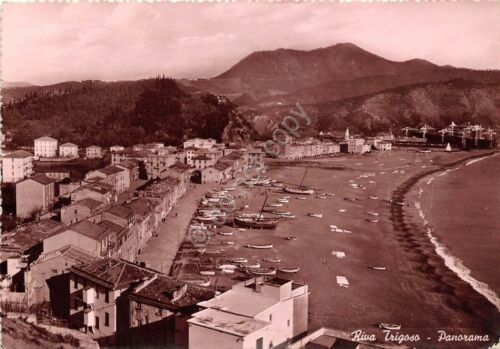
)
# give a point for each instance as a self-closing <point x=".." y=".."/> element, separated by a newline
<point x="287" y="76"/>
<point x="125" y="112"/>
<point x="15" y="84"/>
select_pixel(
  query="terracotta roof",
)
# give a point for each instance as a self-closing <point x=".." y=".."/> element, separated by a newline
<point x="113" y="273"/>
<point x="94" y="147"/>
<point x="141" y="206"/>
<point x="90" y="203"/>
<point x="72" y="145"/>
<point x="98" y="187"/>
<point x="201" y="157"/>
<point x="27" y="236"/>
<point x="73" y="253"/>
<point x="109" y="170"/>
<point x="89" y="229"/>
<point x="46" y="139"/>
<point x="120" y="211"/>
<point x="109" y="225"/>
<point x="41" y="178"/>
<point x="18" y="154"/>
<point x="160" y="292"/>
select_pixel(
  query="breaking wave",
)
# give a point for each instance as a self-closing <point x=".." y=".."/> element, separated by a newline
<point x="455" y="264"/>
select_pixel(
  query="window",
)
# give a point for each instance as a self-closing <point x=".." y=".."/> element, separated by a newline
<point x="97" y="292"/>
<point x="147" y="319"/>
<point x="288" y="322"/>
<point x="159" y="312"/>
<point x="76" y="282"/>
<point x="97" y="322"/>
<point x="106" y="296"/>
<point x="259" y="344"/>
<point x="270" y="317"/>
<point x="106" y="319"/>
<point x="54" y="271"/>
<point x="76" y="211"/>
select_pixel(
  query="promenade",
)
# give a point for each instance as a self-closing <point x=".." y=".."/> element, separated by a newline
<point x="161" y="250"/>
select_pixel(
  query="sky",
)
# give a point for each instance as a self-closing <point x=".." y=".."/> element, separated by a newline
<point x="44" y="43"/>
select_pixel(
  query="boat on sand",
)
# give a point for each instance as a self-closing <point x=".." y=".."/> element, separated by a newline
<point x="315" y="215"/>
<point x="261" y="271"/>
<point x="289" y="270"/>
<point x="260" y="246"/>
<point x="393" y="327"/>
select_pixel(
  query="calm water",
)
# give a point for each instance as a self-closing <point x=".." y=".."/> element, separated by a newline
<point x="462" y="207"/>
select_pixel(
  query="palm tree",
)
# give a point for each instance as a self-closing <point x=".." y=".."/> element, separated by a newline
<point x="424" y="129"/>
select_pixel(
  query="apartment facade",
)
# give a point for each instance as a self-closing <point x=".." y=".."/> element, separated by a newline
<point x="16" y="166"/>
<point x="68" y="150"/>
<point x="45" y="147"/>
<point x="93" y="152"/>
<point x="34" y="195"/>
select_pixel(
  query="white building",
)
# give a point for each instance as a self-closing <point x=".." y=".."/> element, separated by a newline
<point x="200" y="143"/>
<point x="45" y="147"/>
<point x="382" y="145"/>
<point x="116" y="148"/>
<point x="16" y="166"/>
<point x="68" y="150"/>
<point x="93" y="152"/>
<point x="255" y="314"/>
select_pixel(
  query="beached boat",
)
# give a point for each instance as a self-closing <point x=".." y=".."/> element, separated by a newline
<point x="227" y="266"/>
<point x="261" y="271"/>
<point x="260" y="246"/>
<point x="373" y="197"/>
<point x="227" y="271"/>
<point x="205" y="282"/>
<point x="284" y="201"/>
<point x="289" y="270"/>
<point x="374" y="267"/>
<point x="238" y="260"/>
<point x="255" y="265"/>
<point x="275" y="205"/>
<point x="272" y="259"/>
<point x="286" y="197"/>
<point x="372" y="213"/>
<point x="255" y="222"/>
<point x="330" y="194"/>
<point x="300" y="197"/>
<point x="226" y="233"/>
<point x="227" y="243"/>
<point x="291" y="238"/>
<point x="392" y="327"/>
<point x="321" y="197"/>
<point x="207" y="272"/>
<point x="205" y="218"/>
<point x="315" y="215"/>
<point x="300" y="191"/>
<point x="285" y="216"/>
<point x="372" y="220"/>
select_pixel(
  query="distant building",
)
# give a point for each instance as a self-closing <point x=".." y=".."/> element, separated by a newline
<point x="256" y="313"/>
<point x="118" y="177"/>
<point x="202" y="161"/>
<point x="16" y="166"/>
<point x="45" y="147"/>
<point x="68" y="150"/>
<point x="213" y="174"/>
<point x="93" y="152"/>
<point x="200" y="143"/>
<point x="383" y="145"/>
<point x="34" y="195"/>
<point x="256" y="158"/>
<point x="159" y="309"/>
<point x="97" y="291"/>
<point x="116" y="148"/>
<point x="156" y="164"/>
<point x="356" y="146"/>
<point x="99" y="191"/>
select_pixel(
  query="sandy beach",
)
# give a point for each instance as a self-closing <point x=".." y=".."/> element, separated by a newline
<point x="417" y="290"/>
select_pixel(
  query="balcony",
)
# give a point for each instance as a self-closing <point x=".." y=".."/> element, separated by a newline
<point x="89" y="317"/>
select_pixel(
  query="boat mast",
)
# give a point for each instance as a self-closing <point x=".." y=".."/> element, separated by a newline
<point x="303" y="177"/>
<point x="262" y="209"/>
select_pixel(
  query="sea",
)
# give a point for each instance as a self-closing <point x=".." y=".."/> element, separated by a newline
<point x="460" y="209"/>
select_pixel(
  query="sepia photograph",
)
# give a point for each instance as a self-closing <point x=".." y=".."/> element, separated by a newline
<point x="250" y="174"/>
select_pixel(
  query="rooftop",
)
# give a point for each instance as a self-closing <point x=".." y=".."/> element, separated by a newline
<point x="40" y="178"/>
<point x="18" y="154"/>
<point x="109" y="170"/>
<point x="99" y="187"/>
<point x="89" y="229"/>
<point x="90" y="203"/>
<point x="68" y="145"/>
<point x="238" y="325"/>
<point x="94" y="147"/>
<point x="74" y="254"/>
<point x="113" y="273"/>
<point x="120" y="211"/>
<point x="27" y="236"/>
<point x="201" y="157"/>
<point x="160" y="292"/>
<point x="46" y="139"/>
<point x="142" y="206"/>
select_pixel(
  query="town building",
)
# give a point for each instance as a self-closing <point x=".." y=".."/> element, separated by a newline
<point x="55" y="174"/>
<point x="98" y="191"/>
<point x="118" y="177"/>
<point x="356" y="146"/>
<point x="80" y="210"/>
<point x="93" y="152"/>
<point x="47" y="279"/>
<point x="132" y="168"/>
<point x="34" y="196"/>
<point x="215" y="174"/>
<point x="256" y="158"/>
<point x="95" y="239"/>
<point x="98" y="296"/>
<point x="68" y="150"/>
<point x="202" y="161"/>
<point x="159" y="309"/>
<point x="156" y="164"/>
<point x="256" y="313"/>
<point x="207" y="143"/>
<point x="115" y="148"/>
<point x="45" y="147"/>
<point x="384" y="146"/>
<point x="16" y="166"/>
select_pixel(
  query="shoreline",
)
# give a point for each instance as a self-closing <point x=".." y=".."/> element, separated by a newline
<point x="421" y="246"/>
